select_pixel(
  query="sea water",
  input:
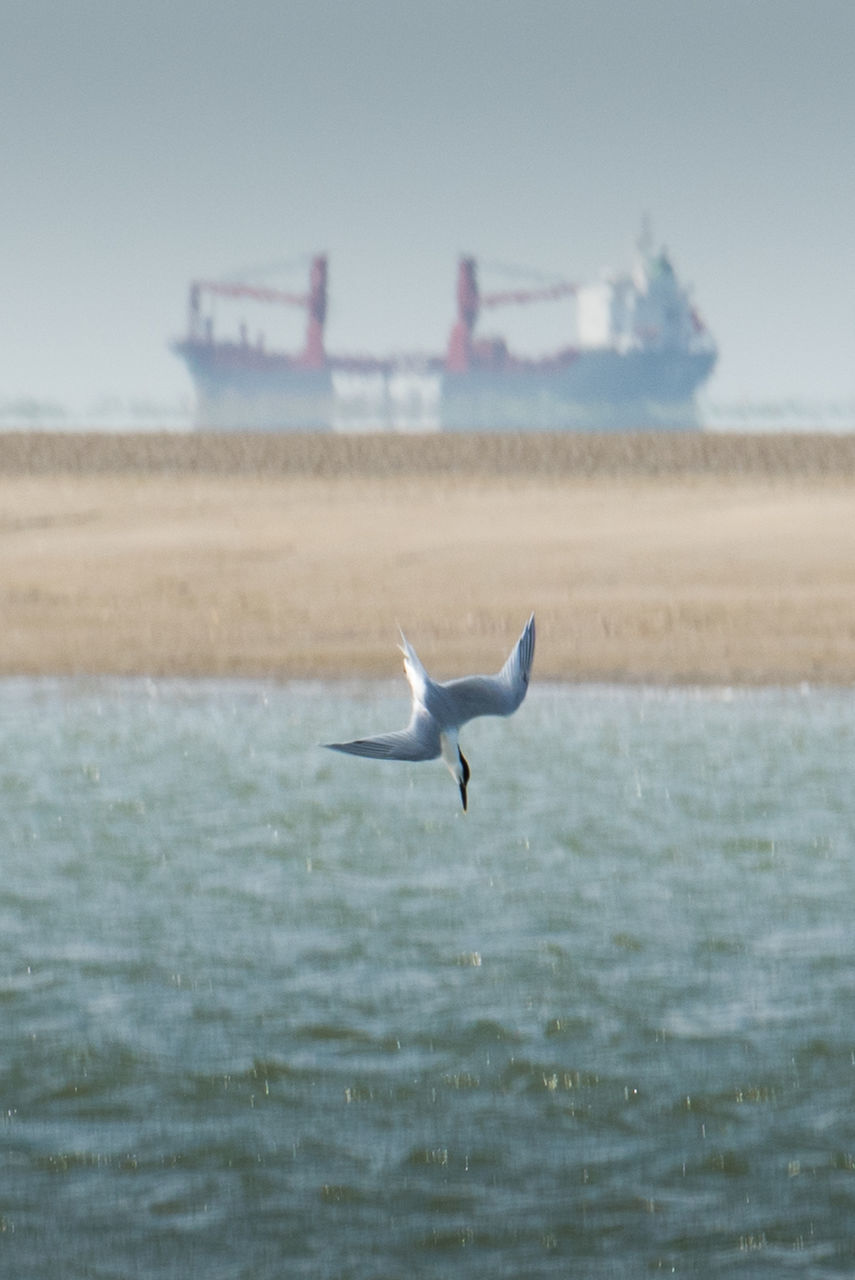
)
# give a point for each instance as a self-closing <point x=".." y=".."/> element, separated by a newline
<point x="269" y="1011"/>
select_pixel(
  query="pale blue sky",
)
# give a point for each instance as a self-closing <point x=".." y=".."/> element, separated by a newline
<point x="146" y="143"/>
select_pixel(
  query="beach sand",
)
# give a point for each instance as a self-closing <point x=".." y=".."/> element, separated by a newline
<point x="681" y="558"/>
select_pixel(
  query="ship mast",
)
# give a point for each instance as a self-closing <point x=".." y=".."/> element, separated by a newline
<point x="470" y="301"/>
<point x="314" y="355"/>
<point x="314" y="302"/>
<point x="459" y="356"/>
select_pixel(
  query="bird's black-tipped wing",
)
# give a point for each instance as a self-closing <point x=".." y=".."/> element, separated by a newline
<point x="498" y="695"/>
<point x="517" y="670"/>
<point x="419" y="741"/>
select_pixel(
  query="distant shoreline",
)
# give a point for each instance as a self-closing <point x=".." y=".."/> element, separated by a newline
<point x="653" y="453"/>
<point x="660" y="558"/>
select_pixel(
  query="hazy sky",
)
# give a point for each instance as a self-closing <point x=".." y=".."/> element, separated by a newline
<point x="145" y="142"/>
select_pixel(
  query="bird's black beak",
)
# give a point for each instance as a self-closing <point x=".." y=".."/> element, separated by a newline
<point x="464" y="765"/>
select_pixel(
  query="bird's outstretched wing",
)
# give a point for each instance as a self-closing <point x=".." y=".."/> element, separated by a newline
<point x="517" y="670"/>
<point x="419" y="741"/>
<point x="498" y="695"/>
<point x="417" y="678"/>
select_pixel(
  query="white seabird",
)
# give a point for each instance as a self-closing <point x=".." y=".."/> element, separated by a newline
<point x="440" y="709"/>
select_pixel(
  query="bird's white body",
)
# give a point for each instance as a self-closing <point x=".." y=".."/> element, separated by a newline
<point x="440" y="709"/>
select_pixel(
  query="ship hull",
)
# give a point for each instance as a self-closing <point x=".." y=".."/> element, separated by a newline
<point x="590" y="390"/>
<point x="598" y="390"/>
<point x="239" y="388"/>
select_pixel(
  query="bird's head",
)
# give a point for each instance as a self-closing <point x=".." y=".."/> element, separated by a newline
<point x="462" y="774"/>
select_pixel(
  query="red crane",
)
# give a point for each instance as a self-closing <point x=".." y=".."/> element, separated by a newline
<point x="314" y="301"/>
<point x="546" y="293"/>
<point x="461" y="347"/>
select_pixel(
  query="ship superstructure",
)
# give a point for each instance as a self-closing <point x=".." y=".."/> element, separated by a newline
<point x="639" y="354"/>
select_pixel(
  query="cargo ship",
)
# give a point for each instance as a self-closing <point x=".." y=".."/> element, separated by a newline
<point x="639" y="355"/>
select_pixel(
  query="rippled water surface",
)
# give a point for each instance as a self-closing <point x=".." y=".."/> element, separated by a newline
<point x="268" y="1011"/>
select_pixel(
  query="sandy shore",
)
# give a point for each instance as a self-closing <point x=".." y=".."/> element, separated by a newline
<point x="693" y="558"/>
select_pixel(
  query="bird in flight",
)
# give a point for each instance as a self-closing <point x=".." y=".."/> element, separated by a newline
<point x="441" y="709"/>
